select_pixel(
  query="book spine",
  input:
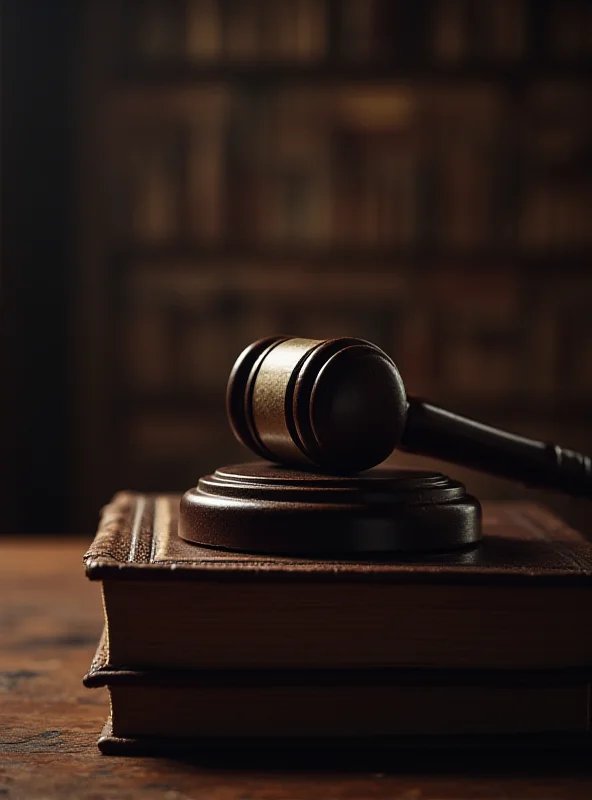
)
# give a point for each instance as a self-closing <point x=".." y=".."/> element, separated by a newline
<point x="110" y="541"/>
<point x="203" y="30"/>
<point x="158" y="31"/>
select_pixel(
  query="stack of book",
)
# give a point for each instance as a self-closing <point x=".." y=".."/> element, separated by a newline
<point x="206" y="647"/>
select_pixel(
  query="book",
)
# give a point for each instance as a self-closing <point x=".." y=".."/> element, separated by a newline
<point x="154" y="183"/>
<point x="340" y="704"/>
<point x="203" y="30"/>
<point x="157" y="30"/>
<point x="241" y="25"/>
<point x="490" y="30"/>
<point x="362" y="748"/>
<point x="521" y="600"/>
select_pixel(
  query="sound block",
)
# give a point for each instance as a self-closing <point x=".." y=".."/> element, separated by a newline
<point x="262" y="507"/>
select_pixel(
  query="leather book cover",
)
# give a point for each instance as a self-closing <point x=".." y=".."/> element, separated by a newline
<point x="160" y="711"/>
<point x="374" y="747"/>
<point x="455" y="609"/>
<point x="360" y="749"/>
<point x="103" y="674"/>
<point x="522" y="544"/>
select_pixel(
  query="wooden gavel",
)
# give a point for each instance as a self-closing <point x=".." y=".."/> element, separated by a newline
<point x="340" y="404"/>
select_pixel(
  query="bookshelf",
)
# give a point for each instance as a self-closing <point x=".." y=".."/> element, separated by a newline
<point x="414" y="173"/>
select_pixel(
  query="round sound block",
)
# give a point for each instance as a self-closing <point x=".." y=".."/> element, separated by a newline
<point x="261" y="507"/>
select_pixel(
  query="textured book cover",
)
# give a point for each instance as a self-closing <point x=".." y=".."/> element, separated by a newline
<point x="159" y="710"/>
<point x="110" y="743"/>
<point x="522" y="599"/>
<point x="210" y="648"/>
<point x="523" y="544"/>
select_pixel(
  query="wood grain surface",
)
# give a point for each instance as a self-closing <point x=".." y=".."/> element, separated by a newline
<point x="50" y="621"/>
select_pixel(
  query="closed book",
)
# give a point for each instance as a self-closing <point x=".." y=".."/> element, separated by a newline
<point x="333" y="705"/>
<point x="365" y="750"/>
<point x="520" y="600"/>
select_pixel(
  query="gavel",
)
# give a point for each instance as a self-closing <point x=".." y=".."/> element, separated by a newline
<point x="340" y="405"/>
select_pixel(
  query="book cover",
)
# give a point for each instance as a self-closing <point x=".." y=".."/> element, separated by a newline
<point x="318" y="705"/>
<point x="521" y="600"/>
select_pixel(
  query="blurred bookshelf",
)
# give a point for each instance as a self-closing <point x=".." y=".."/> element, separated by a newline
<point x="414" y="173"/>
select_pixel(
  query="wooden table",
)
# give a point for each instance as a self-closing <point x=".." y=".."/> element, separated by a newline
<point x="50" y="620"/>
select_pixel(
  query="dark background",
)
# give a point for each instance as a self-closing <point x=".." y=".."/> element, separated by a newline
<point x="180" y="178"/>
<point x="40" y="46"/>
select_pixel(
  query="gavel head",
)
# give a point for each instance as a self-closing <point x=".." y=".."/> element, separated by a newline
<point x="339" y="404"/>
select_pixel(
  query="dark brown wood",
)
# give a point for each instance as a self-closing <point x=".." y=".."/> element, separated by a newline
<point x="267" y="508"/>
<point x="431" y="430"/>
<point x="340" y="404"/>
<point x="50" y="622"/>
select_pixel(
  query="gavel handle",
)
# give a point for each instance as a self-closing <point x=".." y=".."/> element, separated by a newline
<point x="433" y="431"/>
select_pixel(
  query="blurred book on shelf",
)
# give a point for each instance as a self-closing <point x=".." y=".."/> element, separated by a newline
<point x="417" y="174"/>
<point x="439" y="32"/>
<point x="392" y="166"/>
